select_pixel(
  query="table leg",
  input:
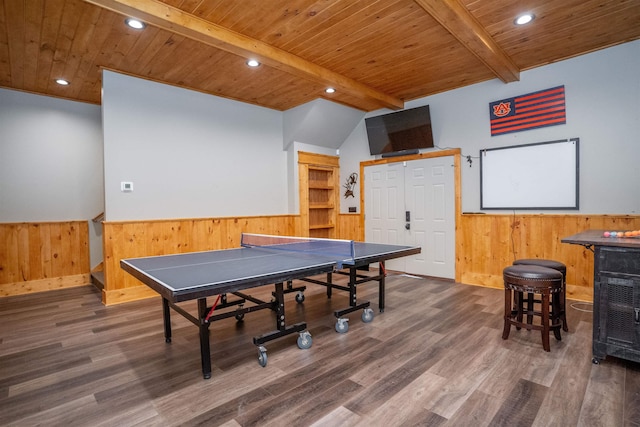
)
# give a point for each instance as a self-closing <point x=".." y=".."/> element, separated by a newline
<point x="353" y="298"/>
<point x="281" y="325"/>
<point x="381" y="287"/>
<point x="205" y="350"/>
<point x="166" y="315"/>
<point x="279" y="296"/>
<point x="353" y="295"/>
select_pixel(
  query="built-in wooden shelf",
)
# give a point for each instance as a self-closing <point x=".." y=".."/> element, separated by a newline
<point x="319" y="186"/>
<point x="321" y="226"/>
<point x="319" y="194"/>
<point x="321" y="206"/>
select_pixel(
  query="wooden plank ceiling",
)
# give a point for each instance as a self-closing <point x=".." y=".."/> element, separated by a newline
<point x="377" y="53"/>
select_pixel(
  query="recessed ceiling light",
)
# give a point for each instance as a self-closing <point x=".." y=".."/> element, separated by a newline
<point x="253" y="63"/>
<point x="524" y="19"/>
<point x="134" y="23"/>
<point x="330" y="90"/>
<point x="62" y="82"/>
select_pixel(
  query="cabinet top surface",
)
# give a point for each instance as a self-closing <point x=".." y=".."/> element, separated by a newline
<point x="596" y="238"/>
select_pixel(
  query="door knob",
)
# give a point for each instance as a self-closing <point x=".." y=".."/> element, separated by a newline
<point x="407" y="226"/>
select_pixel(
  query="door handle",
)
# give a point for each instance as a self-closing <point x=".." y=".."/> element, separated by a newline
<point x="407" y="226"/>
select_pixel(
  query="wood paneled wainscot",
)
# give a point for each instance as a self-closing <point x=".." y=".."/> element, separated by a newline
<point x="146" y="238"/>
<point x="488" y="243"/>
<point x="36" y="257"/>
<point x="350" y="227"/>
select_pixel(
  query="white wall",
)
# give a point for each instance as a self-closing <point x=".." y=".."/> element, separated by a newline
<point x="603" y="110"/>
<point x="189" y="154"/>
<point x="51" y="162"/>
<point x="354" y="150"/>
<point x="320" y="123"/>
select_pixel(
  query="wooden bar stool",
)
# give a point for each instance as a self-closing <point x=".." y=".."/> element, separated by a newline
<point x="556" y="265"/>
<point x="536" y="280"/>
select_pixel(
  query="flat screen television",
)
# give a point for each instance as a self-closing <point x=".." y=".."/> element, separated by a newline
<point x="400" y="132"/>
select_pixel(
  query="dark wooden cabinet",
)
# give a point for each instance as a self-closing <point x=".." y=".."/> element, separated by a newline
<point x="616" y="305"/>
<point x="616" y="297"/>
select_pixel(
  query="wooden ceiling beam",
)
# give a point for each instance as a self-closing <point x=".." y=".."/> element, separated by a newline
<point x="179" y="22"/>
<point x="458" y="21"/>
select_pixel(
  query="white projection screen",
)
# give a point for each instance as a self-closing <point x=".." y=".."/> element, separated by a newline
<point x="536" y="176"/>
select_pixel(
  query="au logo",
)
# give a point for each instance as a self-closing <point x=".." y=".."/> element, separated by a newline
<point x="502" y="109"/>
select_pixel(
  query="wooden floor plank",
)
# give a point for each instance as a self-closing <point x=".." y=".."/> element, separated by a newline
<point x="477" y="410"/>
<point x="603" y="403"/>
<point x="298" y="391"/>
<point x="435" y="357"/>
<point x="631" y="415"/>
<point x="521" y="405"/>
<point x="571" y="379"/>
<point x="390" y="384"/>
<point x="326" y="400"/>
<point x="338" y="417"/>
<point x="410" y="404"/>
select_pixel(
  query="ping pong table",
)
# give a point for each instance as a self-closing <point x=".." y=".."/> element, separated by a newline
<point x="262" y="260"/>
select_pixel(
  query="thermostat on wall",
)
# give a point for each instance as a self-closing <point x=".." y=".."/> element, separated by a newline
<point x="126" y="187"/>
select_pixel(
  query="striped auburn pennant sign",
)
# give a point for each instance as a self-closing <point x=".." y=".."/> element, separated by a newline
<point x="531" y="111"/>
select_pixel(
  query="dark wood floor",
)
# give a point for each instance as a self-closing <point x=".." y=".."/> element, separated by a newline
<point x="435" y="357"/>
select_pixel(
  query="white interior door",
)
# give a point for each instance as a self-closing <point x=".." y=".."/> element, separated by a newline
<point x="430" y="199"/>
<point x="425" y="189"/>
<point x="384" y="203"/>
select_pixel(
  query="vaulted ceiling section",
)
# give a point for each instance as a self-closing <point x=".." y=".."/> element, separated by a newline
<point x="376" y="54"/>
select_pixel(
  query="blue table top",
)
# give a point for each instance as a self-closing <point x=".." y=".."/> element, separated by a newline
<point x="192" y="275"/>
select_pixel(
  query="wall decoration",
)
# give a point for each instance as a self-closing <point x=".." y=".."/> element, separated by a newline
<point x="350" y="185"/>
<point x="539" y="176"/>
<point x="533" y="110"/>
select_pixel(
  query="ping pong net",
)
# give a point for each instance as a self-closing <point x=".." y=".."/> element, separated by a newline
<point x="341" y="251"/>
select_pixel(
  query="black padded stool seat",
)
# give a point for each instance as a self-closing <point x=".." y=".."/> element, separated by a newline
<point x="556" y="265"/>
<point x="533" y="279"/>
